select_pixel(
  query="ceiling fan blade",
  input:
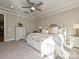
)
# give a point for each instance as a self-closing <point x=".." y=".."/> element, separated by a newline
<point x="26" y="12"/>
<point x="38" y="9"/>
<point x="26" y="7"/>
<point x="38" y="4"/>
<point x="29" y="1"/>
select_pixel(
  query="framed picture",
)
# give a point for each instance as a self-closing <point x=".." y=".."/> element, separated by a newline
<point x="20" y="24"/>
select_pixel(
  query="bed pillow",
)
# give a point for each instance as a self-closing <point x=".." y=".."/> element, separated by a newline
<point x="53" y="30"/>
<point x="63" y="31"/>
<point x="44" y="30"/>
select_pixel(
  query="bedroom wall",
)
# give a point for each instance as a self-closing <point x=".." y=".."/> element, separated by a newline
<point x="67" y="19"/>
<point x="12" y="21"/>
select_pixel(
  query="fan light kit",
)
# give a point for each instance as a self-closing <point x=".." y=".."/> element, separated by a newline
<point x="11" y="6"/>
<point x="32" y="6"/>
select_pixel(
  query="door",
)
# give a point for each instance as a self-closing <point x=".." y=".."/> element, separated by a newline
<point x="1" y="27"/>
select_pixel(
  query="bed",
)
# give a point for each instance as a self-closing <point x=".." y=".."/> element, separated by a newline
<point x="35" y="39"/>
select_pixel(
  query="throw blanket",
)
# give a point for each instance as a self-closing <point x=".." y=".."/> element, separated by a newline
<point x="53" y="47"/>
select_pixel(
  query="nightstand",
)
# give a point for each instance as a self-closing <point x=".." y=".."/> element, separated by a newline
<point x="75" y="41"/>
<point x="20" y="33"/>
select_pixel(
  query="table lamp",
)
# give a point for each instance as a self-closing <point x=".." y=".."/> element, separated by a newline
<point x="40" y="29"/>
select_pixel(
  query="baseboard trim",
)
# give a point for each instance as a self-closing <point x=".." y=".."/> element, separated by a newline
<point x="9" y="40"/>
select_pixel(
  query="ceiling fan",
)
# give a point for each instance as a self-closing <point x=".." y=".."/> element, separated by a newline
<point x="32" y="6"/>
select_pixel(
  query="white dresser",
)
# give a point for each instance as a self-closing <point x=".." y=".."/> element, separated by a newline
<point x="20" y="33"/>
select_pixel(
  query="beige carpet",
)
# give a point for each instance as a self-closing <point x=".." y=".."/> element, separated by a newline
<point x="20" y="50"/>
<point x="74" y="53"/>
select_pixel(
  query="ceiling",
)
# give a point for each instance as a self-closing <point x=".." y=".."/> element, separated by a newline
<point x="47" y="7"/>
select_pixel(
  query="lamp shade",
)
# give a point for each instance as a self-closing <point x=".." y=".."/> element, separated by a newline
<point x="76" y="26"/>
<point x="40" y="27"/>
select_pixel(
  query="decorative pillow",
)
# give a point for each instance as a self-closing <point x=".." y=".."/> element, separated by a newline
<point x="44" y="30"/>
<point x="64" y="32"/>
<point x="53" y="30"/>
<point x="61" y="30"/>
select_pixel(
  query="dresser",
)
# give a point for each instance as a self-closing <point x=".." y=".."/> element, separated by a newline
<point x="20" y="33"/>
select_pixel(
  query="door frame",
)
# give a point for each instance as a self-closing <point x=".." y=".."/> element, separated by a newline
<point x="4" y="25"/>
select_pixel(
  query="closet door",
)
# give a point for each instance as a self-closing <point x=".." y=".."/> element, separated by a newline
<point x="1" y="27"/>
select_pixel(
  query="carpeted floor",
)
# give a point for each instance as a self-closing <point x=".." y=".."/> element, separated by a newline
<point x="20" y="50"/>
<point x="74" y="53"/>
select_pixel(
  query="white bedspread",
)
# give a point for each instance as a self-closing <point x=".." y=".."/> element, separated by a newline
<point x="42" y="36"/>
<point x="38" y="36"/>
<point x="48" y="43"/>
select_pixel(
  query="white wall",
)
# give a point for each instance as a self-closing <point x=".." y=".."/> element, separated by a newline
<point x="12" y="21"/>
<point x="67" y="19"/>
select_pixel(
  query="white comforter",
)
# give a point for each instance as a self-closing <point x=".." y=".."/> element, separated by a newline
<point x="53" y="41"/>
<point x="38" y="36"/>
<point x="42" y="36"/>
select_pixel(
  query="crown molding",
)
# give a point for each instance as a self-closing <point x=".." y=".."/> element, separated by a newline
<point x="17" y="13"/>
<point x="63" y="8"/>
<point x="70" y="5"/>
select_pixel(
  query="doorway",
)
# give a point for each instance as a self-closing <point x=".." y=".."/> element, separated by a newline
<point x="1" y="27"/>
